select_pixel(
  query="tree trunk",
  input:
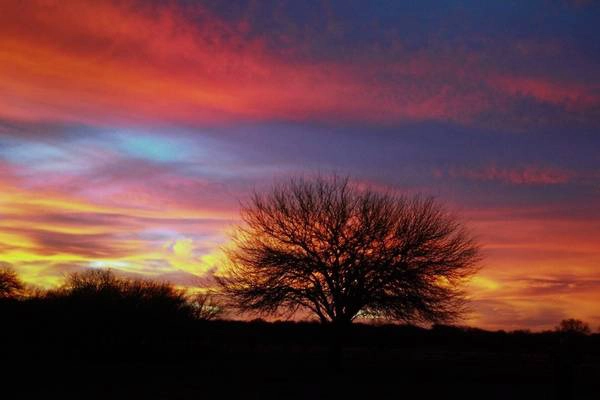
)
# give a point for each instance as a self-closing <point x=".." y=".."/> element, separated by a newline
<point x="338" y="331"/>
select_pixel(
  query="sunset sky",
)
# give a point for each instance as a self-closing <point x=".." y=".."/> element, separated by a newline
<point x="130" y="131"/>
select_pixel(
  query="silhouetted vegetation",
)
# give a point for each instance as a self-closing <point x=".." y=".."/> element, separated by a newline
<point x="10" y="284"/>
<point x="99" y="314"/>
<point x="574" y="327"/>
<point x="324" y="246"/>
<point x="100" y="293"/>
<point x="205" y="307"/>
<point x="103" y="336"/>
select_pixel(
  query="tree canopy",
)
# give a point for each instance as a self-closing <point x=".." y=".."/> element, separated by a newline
<point x="340" y="251"/>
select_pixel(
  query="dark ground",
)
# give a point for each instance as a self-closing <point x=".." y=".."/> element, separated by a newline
<point x="52" y="352"/>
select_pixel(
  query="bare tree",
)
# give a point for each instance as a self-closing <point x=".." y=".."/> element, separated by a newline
<point x="340" y="252"/>
<point x="10" y="284"/>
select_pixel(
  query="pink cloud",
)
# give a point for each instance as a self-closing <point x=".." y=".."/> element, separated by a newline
<point x="528" y="175"/>
<point x="107" y="62"/>
<point x="573" y="95"/>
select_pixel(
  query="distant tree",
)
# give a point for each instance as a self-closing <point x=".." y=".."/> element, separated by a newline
<point x="573" y="326"/>
<point x="206" y="307"/>
<point x="10" y="284"/>
<point x="339" y="251"/>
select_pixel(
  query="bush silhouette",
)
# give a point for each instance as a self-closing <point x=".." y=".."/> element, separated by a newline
<point x="100" y="297"/>
<point x="10" y="284"/>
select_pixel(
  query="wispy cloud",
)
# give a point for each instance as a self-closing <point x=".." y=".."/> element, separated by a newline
<point x="528" y="175"/>
<point x="114" y="62"/>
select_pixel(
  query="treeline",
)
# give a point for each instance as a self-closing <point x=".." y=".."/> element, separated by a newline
<point x="102" y="292"/>
<point x="156" y="341"/>
<point x="98" y="312"/>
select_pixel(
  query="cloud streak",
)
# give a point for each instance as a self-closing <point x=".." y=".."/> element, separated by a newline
<point x="113" y="62"/>
<point x="529" y="175"/>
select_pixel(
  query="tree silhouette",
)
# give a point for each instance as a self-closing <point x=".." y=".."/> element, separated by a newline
<point x="326" y="246"/>
<point x="573" y="326"/>
<point x="206" y="307"/>
<point x="10" y="284"/>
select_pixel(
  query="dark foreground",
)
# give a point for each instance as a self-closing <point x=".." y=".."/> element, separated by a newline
<point x="52" y="354"/>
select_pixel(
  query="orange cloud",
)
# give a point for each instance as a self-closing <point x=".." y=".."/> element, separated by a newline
<point x="105" y="62"/>
<point x="45" y="232"/>
<point x="538" y="269"/>
<point x="117" y="61"/>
